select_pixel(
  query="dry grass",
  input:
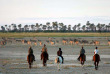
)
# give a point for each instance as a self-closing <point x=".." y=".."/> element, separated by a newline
<point x="106" y="62"/>
<point x="68" y="66"/>
<point x="54" y="34"/>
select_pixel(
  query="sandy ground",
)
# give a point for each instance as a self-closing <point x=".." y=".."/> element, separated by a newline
<point x="13" y="58"/>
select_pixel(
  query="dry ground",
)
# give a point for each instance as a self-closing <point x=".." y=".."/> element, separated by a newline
<point x="13" y="58"/>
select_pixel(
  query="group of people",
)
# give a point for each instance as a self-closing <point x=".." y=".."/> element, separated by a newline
<point x="82" y="52"/>
<point x="59" y="52"/>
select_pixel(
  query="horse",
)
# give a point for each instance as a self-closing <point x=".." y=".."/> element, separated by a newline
<point x="44" y="57"/>
<point x="30" y="59"/>
<point x="82" y="59"/>
<point x="58" y="61"/>
<point x="96" y="59"/>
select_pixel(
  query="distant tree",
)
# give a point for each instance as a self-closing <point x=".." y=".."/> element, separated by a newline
<point x="41" y="26"/>
<point x="48" y="25"/>
<point x="33" y="27"/>
<point x="61" y="26"/>
<point x="12" y="26"/>
<point x="69" y="27"/>
<point x="99" y="27"/>
<point x="102" y="27"/>
<point x="9" y="27"/>
<point x="74" y="27"/>
<point x="44" y="27"/>
<point x="55" y="25"/>
<point x="3" y="28"/>
<point x="84" y="27"/>
<point x="26" y="28"/>
<point x="6" y="27"/>
<point x="15" y="28"/>
<point x="64" y="28"/>
<point x="108" y="27"/>
<point x="92" y="27"/>
<point x="19" y="26"/>
<point x="88" y="24"/>
<point x="37" y="26"/>
<point x="78" y="26"/>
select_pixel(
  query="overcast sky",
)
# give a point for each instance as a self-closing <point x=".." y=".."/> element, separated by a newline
<point x="67" y="11"/>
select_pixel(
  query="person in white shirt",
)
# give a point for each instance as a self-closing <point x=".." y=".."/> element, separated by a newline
<point x="96" y="53"/>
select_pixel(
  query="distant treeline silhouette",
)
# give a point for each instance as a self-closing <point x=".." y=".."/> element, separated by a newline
<point x="56" y="27"/>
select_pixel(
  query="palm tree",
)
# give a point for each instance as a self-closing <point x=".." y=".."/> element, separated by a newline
<point x="3" y="28"/>
<point x="41" y="26"/>
<point x="102" y="27"/>
<point x="78" y="26"/>
<point x="61" y="26"/>
<point x="19" y="26"/>
<point x="108" y="27"/>
<point x="9" y="27"/>
<point x="64" y="28"/>
<point x="74" y="28"/>
<point x="55" y="25"/>
<point x="99" y="27"/>
<point x="33" y="27"/>
<point x="26" y="28"/>
<point x="92" y="27"/>
<point x="37" y="26"/>
<point x="6" y="27"/>
<point x="14" y="26"/>
<point x="69" y="27"/>
<point x="44" y="27"/>
<point x="88" y="24"/>
<point x="84" y="27"/>
<point x="48" y="25"/>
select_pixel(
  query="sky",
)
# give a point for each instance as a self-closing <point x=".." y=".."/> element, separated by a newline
<point x="66" y="11"/>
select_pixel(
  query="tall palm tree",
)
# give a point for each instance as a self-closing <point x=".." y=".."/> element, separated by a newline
<point x="25" y="28"/>
<point x="33" y="27"/>
<point x="41" y="26"/>
<point x="19" y="26"/>
<point x="6" y="27"/>
<point x="44" y="27"/>
<point x="78" y="26"/>
<point x="15" y="28"/>
<point x="88" y="24"/>
<point x="48" y="25"/>
<point x="64" y="28"/>
<point x="84" y="27"/>
<point x="92" y="27"/>
<point x="3" y="28"/>
<point x="102" y="26"/>
<point x="37" y="26"/>
<point x="55" y="25"/>
<point x="12" y="26"/>
<point x="9" y="27"/>
<point x="99" y="27"/>
<point x="74" y="27"/>
<point x="69" y="27"/>
<point x="61" y="26"/>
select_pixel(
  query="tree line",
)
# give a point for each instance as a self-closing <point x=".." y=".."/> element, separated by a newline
<point x="56" y="27"/>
